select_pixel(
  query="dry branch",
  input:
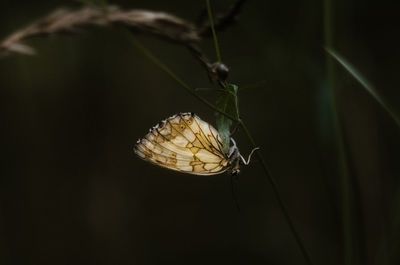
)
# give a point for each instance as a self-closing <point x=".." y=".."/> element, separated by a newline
<point x="65" y="20"/>
<point x="160" y="24"/>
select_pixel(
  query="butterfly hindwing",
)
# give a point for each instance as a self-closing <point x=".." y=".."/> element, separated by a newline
<point x="184" y="143"/>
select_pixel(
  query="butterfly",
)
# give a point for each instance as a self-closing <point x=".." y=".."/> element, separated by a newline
<point x="186" y="143"/>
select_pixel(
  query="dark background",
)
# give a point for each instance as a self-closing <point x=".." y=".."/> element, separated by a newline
<point x="73" y="192"/>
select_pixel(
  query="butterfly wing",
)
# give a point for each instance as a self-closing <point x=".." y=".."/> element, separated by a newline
<point x="184" y="143"/>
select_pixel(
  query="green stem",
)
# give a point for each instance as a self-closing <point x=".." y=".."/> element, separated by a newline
<point x="260" y="157"/>
<point x="163" y="67"/>
<point x="213" y="31"/>
<point x="278" y="197"/>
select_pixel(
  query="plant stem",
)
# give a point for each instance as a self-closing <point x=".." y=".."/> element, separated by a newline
<point x="213" y="31"/>
<point x="278" y="197"/>
<point x="259" y="156"/>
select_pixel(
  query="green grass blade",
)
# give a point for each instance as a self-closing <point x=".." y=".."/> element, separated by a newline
<point x="364" y="83"/>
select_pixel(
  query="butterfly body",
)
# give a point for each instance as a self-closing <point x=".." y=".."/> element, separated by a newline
<point x="186" y="143"/>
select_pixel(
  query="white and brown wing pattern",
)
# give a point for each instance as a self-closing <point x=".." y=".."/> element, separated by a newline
<point x="184" y="143"/>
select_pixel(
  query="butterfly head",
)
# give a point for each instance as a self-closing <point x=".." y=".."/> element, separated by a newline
<point x="236" y="159"/>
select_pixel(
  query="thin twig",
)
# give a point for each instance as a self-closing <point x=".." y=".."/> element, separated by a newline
<point x="163" y="67"/>
<point x="204" y="61"/>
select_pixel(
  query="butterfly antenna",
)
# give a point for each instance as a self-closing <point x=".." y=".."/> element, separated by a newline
<point x="249" y="158"/>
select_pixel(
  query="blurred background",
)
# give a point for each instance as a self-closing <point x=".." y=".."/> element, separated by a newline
<point x="73" y="192"/>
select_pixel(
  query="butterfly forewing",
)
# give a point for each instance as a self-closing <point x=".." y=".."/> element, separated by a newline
<point x="184" y="143"/>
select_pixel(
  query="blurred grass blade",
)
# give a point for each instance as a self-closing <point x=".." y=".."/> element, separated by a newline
<point x="364" y="82"/>
<point x="346" y="198"/>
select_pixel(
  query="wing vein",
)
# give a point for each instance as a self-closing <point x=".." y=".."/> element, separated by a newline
<point x="215" y="138"/>
<point x="162" y="146"/>
<point x="179" y="147"/>
<point x="206" y="139"/>
<point x="180" y="132"/>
